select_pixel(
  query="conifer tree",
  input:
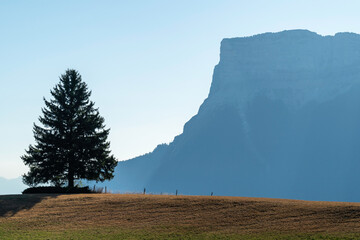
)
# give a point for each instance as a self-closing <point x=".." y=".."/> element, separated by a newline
<point x="72" y="143"/>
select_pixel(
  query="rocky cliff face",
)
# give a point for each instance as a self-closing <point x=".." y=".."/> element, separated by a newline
<point x="282" y="120"/>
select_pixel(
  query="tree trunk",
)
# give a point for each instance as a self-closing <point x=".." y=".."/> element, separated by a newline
<point x="70" y="177"/>
<point x="71" y="180"/>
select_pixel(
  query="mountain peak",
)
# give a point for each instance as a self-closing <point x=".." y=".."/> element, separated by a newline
<point x="295" y="62"/>
<point x="274" y="35"/>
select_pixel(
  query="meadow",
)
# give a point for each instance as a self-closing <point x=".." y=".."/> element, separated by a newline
<point x="136" y="216"/>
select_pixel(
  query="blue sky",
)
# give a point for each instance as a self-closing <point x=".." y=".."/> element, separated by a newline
<point x="148" y="63"/>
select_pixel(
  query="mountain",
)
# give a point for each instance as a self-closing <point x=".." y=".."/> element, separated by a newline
<point x="282" y="120"/>
<point x="11" y="186"/>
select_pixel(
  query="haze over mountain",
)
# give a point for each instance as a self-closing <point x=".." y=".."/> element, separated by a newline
<point x="282" y="119"/>
<point x="11" y="186"/>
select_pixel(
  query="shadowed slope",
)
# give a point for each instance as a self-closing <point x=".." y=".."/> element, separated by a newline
<point x="12" y="204"/>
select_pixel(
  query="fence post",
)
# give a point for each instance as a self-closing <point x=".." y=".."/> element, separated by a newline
<point x="144" y="191"/>
<point x="176" y="192"/>
<point x="105" y="190"/>
<point x="212" y="193"/>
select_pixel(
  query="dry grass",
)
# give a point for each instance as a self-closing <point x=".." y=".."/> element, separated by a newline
<point x="200" y="214"/>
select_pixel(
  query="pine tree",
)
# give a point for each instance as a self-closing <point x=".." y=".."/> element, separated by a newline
<point x="72" y="143"/>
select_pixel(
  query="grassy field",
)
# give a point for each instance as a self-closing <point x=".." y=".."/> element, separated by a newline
<point x="119" y="216"/>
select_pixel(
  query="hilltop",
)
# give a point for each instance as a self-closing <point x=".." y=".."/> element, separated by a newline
<point x="110" y="216"/>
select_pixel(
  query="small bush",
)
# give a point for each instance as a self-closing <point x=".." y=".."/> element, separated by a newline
<point x="58" y="190"/>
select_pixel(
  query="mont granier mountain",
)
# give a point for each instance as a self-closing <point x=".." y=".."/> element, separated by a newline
<point x="282" y="120"/>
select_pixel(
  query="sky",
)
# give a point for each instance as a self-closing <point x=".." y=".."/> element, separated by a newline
<point x="148" y="63"/>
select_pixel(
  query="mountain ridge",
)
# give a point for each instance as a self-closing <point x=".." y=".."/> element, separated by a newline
<point x="281" y="120"/>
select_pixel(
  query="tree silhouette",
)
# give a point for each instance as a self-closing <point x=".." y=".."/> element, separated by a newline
<point x="72" y="144"/>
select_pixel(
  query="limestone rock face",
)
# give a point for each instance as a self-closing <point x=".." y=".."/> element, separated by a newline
<point x="282" y="120"/>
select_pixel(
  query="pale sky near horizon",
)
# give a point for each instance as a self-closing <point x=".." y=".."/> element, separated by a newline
<point x="148" y="63"/>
